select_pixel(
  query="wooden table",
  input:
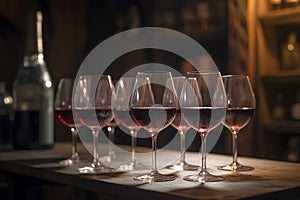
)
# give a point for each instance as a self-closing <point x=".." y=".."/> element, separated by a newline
<point x="269" y="180"/>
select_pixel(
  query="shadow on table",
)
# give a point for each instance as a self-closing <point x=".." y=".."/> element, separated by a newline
<point x="47" y="163"/>
<point x="235" y="177"/>
<point x="202" y="191"/>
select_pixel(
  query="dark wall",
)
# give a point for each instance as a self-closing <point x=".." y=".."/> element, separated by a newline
<point x="72" y="28"/>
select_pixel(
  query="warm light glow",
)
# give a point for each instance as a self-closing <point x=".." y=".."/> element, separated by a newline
<point x="8" y="100"/>
<point x="245" y="108"/>
<point x="40" y="56"/>
<point x="291" y="47"/>
<point x="48" y="84"/>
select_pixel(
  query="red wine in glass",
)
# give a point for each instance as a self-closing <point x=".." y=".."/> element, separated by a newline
<point x="237" y="118"/>
<point x="66" y="117"/>
<point x="125" y="119"/>
<point x="204" y="118"/>
<point x="150" y="118"/>
<point x="87" y="116"/>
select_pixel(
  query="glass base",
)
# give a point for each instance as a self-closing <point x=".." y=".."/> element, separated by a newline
<point x="69" y="161"/>
<point x="109" y="158"/>
<point x="132" y="166"/>
<point x="95" y="167"/>
<point x="154" y="176"/>
<point x="203" y="177"/>
<point x="236" y="167"/>
<point x="182" y="166"/>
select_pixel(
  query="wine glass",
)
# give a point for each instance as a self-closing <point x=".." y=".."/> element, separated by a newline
<point x="153" y="107"/>
<point x="121" y="109"/>
<point x="241" y="106"/>
<point x="111" y="126"/>
<point x="93" y="108"/>
<point x="182" y="128"/>
<point x="63" y="107"/>
<point x="203" y="104"/>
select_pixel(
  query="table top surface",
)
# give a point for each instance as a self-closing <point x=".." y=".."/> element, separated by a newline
<point x="268" y="177"/>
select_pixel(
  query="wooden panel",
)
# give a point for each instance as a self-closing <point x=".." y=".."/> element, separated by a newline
<point x="242" y="56"/>
<point x="282" y="16"/>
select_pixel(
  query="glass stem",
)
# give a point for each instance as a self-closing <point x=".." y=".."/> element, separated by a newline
<point x="133" y="145"/>
<point x="182" y="146"/>
<point x="111" y="133"/>
<point x="235" y="146"/>
<point x="154" y="145"/>
<point x="203" y="150"/>
<point x="95" y="147"/>
<point x="74" y="155"/>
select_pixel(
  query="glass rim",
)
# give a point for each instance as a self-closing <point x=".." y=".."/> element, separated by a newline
<point x="178" y="77"/>
<point x="98" y="76"/>
<point x="206" y="71"/>
<point x="94" y="75"/>
<point x="235" y="76"/>
<point x="153" y="72"/>
<point x="127" y="78"/>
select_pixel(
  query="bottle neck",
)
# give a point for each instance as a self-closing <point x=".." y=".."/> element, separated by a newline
<point x="34" y="38"/>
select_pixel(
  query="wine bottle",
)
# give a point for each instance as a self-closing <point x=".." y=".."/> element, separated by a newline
<point x="6" y="118"/>
<point x="276" y="4"/>
<point x="290" y="52"/>
<point x="291" y="3"/>
<point x="33" y="93"/>
<point x="279" y="110"/>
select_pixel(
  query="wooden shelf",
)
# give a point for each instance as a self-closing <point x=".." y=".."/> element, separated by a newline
<point x="211" y="33"/>
<point x="281" y="17"/>
<point x="273" y="27"/>
<point x="282" y="127"/>
<point x="283" y="77"/>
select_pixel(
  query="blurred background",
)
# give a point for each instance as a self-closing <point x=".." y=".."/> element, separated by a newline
<point x="242" y="37"/>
